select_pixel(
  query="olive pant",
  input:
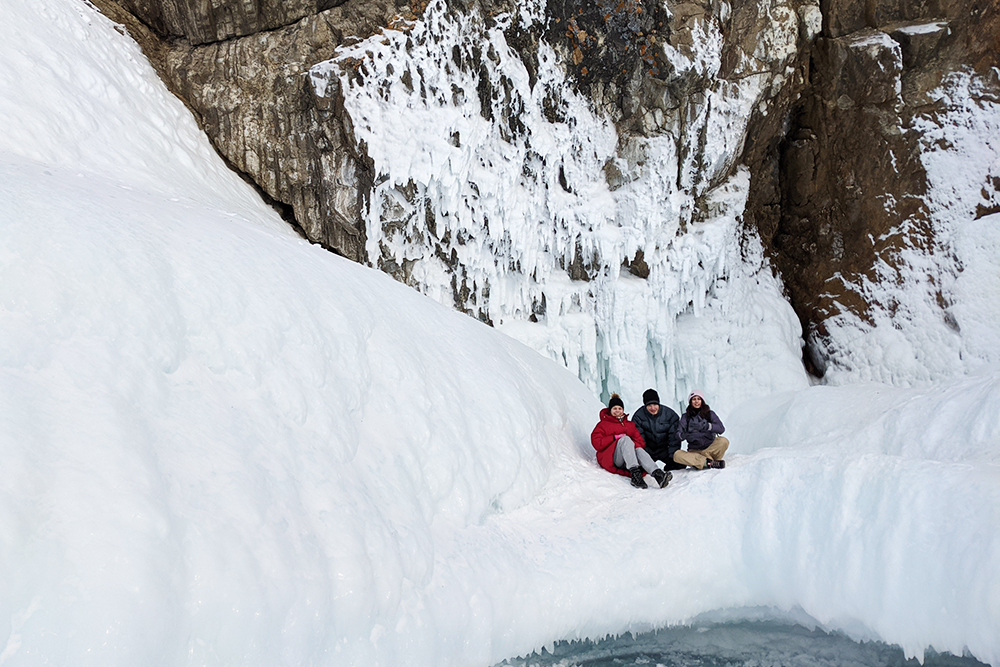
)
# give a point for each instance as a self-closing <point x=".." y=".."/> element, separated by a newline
<point x="699" y="457"/>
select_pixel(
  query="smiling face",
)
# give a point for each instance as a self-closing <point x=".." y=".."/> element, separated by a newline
<point x="696" y="402"/>
<point x="653" y="408"/>
<point x="617" y="412"/>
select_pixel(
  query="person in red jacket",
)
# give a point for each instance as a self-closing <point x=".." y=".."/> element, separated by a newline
<point x="620" y="448"/>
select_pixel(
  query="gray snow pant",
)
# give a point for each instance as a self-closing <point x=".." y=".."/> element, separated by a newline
<point x="628" y="456"/>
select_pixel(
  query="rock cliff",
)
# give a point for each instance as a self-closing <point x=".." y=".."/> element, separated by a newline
<point x="852" y="186"/>
<point x="628" y="115"/>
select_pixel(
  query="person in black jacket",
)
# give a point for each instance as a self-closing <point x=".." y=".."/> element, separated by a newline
<point x="658" y="425"/>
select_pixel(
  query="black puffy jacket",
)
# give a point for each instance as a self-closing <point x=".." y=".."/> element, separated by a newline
<point x="659" y="432"/>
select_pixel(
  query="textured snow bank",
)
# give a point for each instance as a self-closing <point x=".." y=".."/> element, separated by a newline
<point x="869" y="509"/>
<point x="219" y="441"/>
<point x="902" y="480"/>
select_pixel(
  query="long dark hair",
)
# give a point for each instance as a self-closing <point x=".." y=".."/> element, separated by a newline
<point x="704" y="411"/>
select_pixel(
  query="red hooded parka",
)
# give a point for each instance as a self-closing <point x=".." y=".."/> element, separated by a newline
<point x="603" y="439"/>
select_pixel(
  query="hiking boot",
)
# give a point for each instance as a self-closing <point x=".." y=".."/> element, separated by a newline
<point x="662" y="477"/>
<point x="637" y="480"/>
<point x="715" y="464"/>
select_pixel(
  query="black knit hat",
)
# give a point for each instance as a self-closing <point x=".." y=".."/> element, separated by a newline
<point x="650" y="396"/>
<point x="615" y="400"/>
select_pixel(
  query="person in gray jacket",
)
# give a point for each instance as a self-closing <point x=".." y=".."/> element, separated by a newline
<point x="658" y="425"/>
<point x="703" y="430"/>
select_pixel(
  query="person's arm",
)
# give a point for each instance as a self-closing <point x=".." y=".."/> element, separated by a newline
<point x="640" y="420"/>
<point x="633" y="432"/>
<point x="673" y="437"/>
<point x="600" y="438"/>
<point x="717" y="427"/>
<point x="682" y="432"/>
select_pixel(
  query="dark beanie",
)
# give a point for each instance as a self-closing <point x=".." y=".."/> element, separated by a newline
<point x="615" y="400"/>
<point x="650" y="396"/>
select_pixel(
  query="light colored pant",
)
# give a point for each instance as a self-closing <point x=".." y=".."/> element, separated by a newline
<point x="628" y="456"/>
<point x="698" y="458"/>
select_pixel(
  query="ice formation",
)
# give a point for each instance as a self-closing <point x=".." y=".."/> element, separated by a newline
<point x="492" y="202"/>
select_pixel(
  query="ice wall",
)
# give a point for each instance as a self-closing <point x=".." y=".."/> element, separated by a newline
<point x="502" y="205"/>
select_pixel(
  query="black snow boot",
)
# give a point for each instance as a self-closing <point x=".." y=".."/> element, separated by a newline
<point x="637" y="480"/>
<point x="715" y="464"/>
<point x="662" y="477"/>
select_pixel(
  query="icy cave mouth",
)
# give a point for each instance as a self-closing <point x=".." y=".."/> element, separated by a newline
<point x="734" y="644"/>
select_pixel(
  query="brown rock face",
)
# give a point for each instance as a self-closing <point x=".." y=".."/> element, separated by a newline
<point x="255" y="101"/>
<point x="842" y="17"/>
<point x="253" y="97"/>
<point x="850" y="175"/>
<point x="849" y="183"/>
<point x="200" y="22"/>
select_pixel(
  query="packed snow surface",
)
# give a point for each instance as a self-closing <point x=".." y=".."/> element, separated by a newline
<point x="222" y="445"/>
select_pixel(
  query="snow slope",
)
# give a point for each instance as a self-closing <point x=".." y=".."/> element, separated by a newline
<point x="222" y="445"/>
<point x="209" y="426"/>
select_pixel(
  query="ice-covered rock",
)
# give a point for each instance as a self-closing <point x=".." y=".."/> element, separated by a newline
<point x="542" y="166"/>
<point x="546" y="168"/>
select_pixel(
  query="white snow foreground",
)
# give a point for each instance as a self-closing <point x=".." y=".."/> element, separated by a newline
<point x="227" y="446"/>
<point x="221" y="445"/>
